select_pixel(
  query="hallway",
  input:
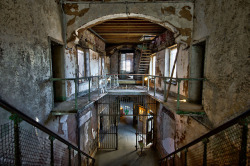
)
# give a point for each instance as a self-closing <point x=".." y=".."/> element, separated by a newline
<point x="126" y="155"/>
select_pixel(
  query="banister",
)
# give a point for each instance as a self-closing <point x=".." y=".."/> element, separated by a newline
<point x="211" y="133"/>
<point x="13" y="110"/>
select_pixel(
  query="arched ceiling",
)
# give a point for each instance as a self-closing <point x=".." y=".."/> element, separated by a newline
<point x="127" y="30"/>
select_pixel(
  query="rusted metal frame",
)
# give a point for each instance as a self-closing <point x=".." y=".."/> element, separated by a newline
<point x="212" y="132"/>
<point x="172" y="73"/>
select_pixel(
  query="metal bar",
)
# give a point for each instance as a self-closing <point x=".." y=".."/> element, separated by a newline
<point x="143" y="81"/>
<point x="98" y="80"/>
<point x="212" y="132"/>
<point x="89" y="88"/>
<point x="205" y="141"/>
<point x="76" y="94"/>
<point x="16" y="140"/>
<point x="51" y="150"/>
<point x="178" y="95"/>
<point x="69" y="149"/>
<point x="148" y="84"/>
<point x="172" y="73"/>
<point x="243" y="150"/>
<point x="154" y="86"/>
<point x="185" y="162"/>
<point x="165" y="87"/>
<point x="31" y="121"/>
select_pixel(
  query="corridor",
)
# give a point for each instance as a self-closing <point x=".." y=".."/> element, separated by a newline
<point x="126" y="155"/>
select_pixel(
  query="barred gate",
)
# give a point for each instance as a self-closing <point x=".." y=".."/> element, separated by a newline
<point x="111" y="108"/>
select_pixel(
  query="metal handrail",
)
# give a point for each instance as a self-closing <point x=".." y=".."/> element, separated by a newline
<point x="211" y="133"/>
<point x="23" y="116"/>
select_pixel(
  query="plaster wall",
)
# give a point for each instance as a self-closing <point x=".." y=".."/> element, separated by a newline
<point x="225" y="25"/>
<point x="25" y="62"/>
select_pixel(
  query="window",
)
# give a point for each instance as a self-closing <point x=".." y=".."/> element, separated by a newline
<point x="152" y="65"/>
<point x="126" y="63"/>
<point x="81" y="68"/>
<point x="172" y="56"/>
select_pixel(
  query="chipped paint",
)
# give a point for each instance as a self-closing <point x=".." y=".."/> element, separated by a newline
<point x="168" y="10"/>
<point x="185" y="13"/>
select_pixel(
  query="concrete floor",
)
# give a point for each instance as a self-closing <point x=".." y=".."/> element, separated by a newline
<point x="126" y="155"/>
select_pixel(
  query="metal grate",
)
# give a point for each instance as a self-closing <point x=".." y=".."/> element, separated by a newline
<point x="227" y="146"/>
<point x="7" y="144"/>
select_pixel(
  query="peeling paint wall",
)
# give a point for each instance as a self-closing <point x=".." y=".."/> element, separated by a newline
<point x="175" y="131"/>
<point x="225" y="24"/>
<point x="25" y="62"/>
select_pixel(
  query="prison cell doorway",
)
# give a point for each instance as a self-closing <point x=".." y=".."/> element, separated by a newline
<point x="124" y="121"/>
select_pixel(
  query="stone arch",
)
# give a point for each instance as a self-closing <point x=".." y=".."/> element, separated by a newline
<point x="176" y="17"/>
<point x="152" y="19"/>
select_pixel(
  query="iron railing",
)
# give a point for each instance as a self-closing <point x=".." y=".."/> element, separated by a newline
<point x="228" y="144"/>
<point x="36" y="145"/>
<point x="112" y="80"/>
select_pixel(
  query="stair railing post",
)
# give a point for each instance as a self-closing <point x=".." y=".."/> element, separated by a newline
<point x="69" y="149"/>
<point x="17" y="120"/>
<point x="243" y="150"/>
<point x="51" y="150"/>
<point x="205" y="141"/>
<point x="185" y="162"/>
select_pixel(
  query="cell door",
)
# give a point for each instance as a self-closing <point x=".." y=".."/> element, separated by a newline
<point x="149" y="134"/>
<point x="108" y="123"/>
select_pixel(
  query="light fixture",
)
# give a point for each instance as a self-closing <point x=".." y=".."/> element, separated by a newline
<point x="146" y="78"/>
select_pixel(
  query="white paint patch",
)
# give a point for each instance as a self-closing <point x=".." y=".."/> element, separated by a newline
<point x="94" y="133"/>
<point x="168" y="145"/>
<point x="85" y="118"/>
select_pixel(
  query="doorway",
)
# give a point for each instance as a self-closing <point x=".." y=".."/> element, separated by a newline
<point x="57" y="61"/>
<point x="196" y="71"/>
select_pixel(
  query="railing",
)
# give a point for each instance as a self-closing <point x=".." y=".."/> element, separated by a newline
<point x="228" y="144"/>
<point x="19" y="146"/>
<point x="112" y="80"/>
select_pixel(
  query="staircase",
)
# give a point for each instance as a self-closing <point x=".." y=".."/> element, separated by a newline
<point x="144" y="59"/>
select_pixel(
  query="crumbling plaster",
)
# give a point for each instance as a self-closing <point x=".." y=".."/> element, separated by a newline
<point x="225" y="26"/>
<point x="179" y="22"/>
<point x="25" y="60"/>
